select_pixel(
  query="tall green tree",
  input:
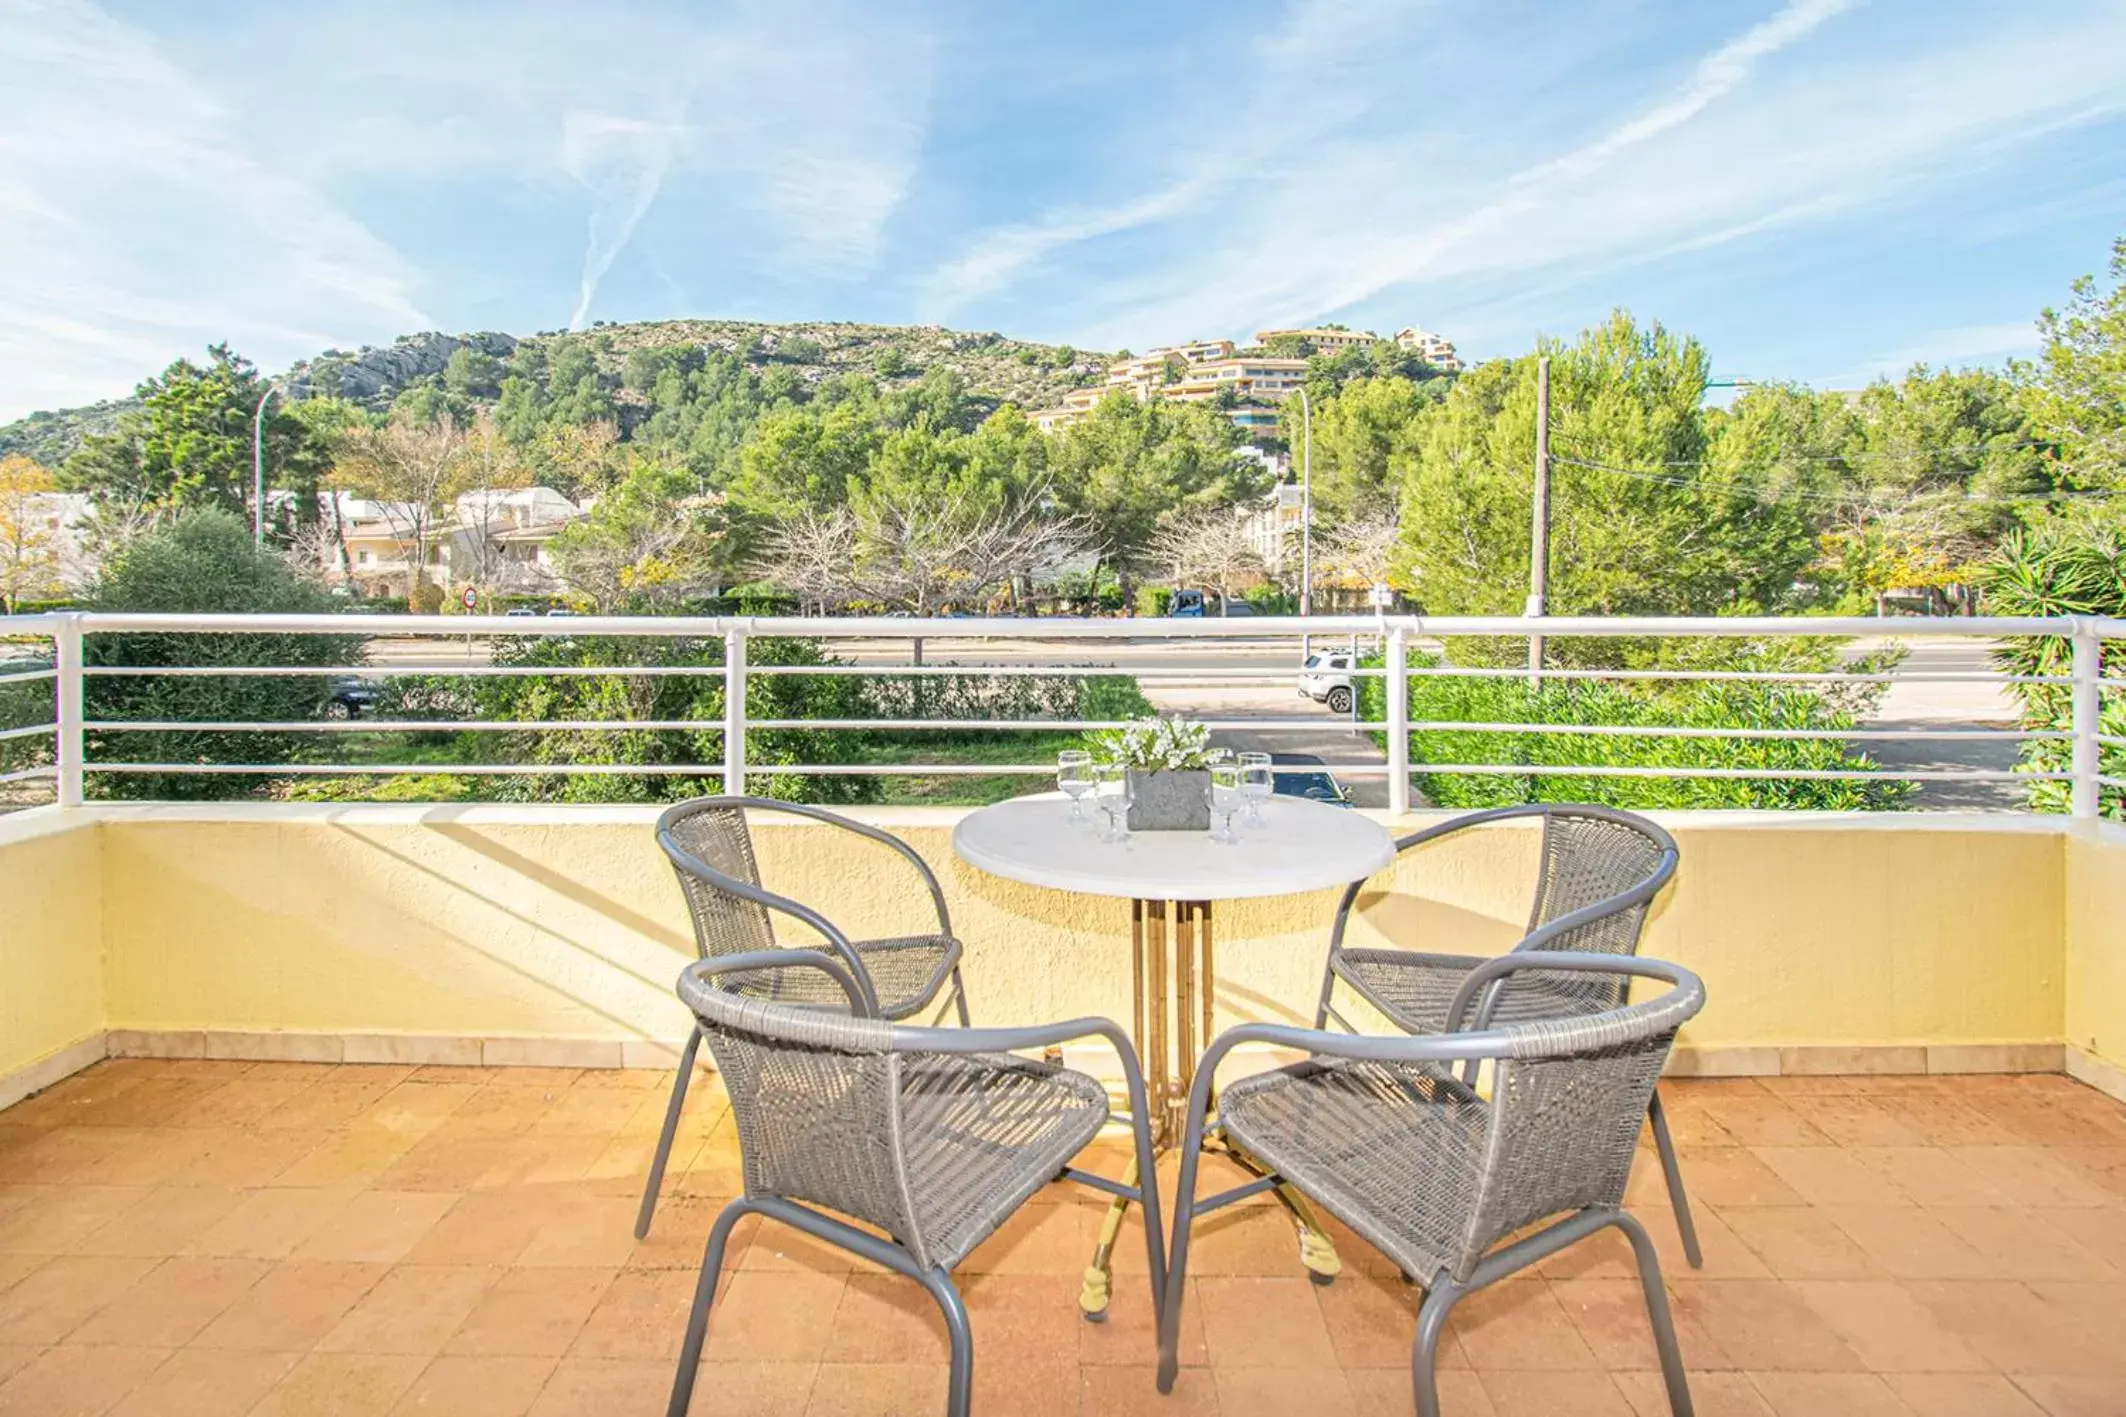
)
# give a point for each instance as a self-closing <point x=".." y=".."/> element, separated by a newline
<point x="2075" y="393"/>
<point x="188" y="446"/>
<point x="1364" y="434"/>
<point x="1131" y="467"/>
<point x="1638" y="527"/>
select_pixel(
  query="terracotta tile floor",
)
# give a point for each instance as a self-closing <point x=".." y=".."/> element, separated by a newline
<point x="205" y="1238"/>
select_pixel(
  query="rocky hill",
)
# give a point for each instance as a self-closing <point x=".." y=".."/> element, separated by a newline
<point x="1005" y="370"/>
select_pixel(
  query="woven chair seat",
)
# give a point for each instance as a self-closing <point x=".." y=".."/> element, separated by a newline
<point x="1416" y="990"/>
<point x="982" y="1133"/>
<point x="1395" y="1151"/>
<point x="907" y="971"/>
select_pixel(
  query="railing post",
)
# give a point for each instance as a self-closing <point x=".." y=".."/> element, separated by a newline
<point x="1397" y="684"/>
<point x="2088" y="706"/>
<point x="734" y="712"/>
<point x="67" y="714"/>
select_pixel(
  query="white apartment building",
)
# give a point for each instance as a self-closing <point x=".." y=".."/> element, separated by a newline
<point x="1436" y="350"/>
<point x="1324" y="340"/>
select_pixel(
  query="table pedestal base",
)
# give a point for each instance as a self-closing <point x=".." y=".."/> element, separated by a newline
<point x="1175" y="988"/>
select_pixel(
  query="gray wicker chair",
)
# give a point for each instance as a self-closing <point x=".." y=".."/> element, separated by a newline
<point x="934" y="1136"/>
<point x="1389" y="1135"/>
<point x="711" y="848"/>
<point x="1601" y="870"/>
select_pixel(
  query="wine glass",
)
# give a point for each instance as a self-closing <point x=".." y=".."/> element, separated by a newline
<point x="1074" y="774"/>
<point x="1115" y="793"/>
<point x="1256" y="780"/>
<point x="1226" y="799"/>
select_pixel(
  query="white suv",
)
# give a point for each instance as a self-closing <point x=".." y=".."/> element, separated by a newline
<point x="1326" y="679"/>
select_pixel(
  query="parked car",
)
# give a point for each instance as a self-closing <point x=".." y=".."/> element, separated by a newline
<point x="351" y="698"/>
<point x="1306" y="775"/>
<point x="520" y="612"/>
<point x="1196" y="604"/>
<point x="1326" y="679"/>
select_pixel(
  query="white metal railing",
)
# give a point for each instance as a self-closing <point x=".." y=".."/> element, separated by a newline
<point x="1392" y="637"/>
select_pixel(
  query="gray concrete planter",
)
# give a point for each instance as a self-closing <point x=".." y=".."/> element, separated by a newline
<point x="1166" y="801"/>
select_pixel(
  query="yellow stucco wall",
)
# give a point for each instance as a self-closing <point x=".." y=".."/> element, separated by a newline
<point x="51" y="937"/>
<point x="501" y="921"/>
<point x="2096" y="942"/>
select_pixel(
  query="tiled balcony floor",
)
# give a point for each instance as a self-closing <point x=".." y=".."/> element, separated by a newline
<point x="226" y="1238"/>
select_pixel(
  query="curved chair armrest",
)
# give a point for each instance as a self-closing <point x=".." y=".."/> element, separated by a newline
<point x="1470" y="1047"/>
<point x="916" y="1038"/>
<point x="796" y="910"/>
<point x="762" y="960"/>
<point x="1486" y="976"/>
<point x="863" y="829"/>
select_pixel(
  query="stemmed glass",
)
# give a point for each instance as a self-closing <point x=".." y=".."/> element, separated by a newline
<point x="1074" y="774"/>
<point x="1226" y="799"/>
<point x="1256" y="780"/>
<point x="1115" y="793"/>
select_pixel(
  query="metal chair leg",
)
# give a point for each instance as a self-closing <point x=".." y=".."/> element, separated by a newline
<point x="959" y="995"/>
<point x="698" y="1318"/>
<point x="1666" y="1147"/>
<point x="1664" y="1324"/>
<point x="671" y="1128"/>
<point x="960" y="1391"/>
<point x="1424" y="1352"/>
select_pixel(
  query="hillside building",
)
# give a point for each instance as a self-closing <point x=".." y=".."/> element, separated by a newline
<point x="1435" y="350"/>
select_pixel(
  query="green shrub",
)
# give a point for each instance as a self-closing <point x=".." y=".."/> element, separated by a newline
<point x="1647" y="704"/>
<point x="2062" y="567"/>
<point x="205" y="562"/>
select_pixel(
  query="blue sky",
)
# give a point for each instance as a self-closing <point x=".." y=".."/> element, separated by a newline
<point x="1820" y="189"/>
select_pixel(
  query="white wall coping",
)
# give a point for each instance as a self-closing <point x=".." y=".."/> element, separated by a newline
<point x="43" y="821"/>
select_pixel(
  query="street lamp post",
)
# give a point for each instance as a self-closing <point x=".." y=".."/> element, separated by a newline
<point x="1306" y="516"/>
<point x="258" y="464"/>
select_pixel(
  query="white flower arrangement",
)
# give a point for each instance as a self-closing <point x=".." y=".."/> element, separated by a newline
<point x="1159" y="745"/>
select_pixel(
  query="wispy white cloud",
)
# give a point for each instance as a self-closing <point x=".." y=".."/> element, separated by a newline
<point x="1944" y="349"/>
<point x="622" y="162"/>
<point x="141" y="225"/>
<point x="178" y="180"/>
<point x="1570" y="161"/>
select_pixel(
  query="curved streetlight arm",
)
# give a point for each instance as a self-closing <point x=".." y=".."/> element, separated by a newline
<point x="258" y="464"/>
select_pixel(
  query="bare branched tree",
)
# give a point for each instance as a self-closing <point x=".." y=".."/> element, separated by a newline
<point x="407" y="468"/>
<point x="1362" y="549"/>
<point x="488" y="466"/>
<point x="1220" y="548"/>
<point x="812" y="555"/>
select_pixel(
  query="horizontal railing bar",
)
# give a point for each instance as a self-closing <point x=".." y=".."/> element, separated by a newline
<point x="2108" y="781"/>
<point x="2113" y="683"/>
<point x="2109" y="740"/>
<point x="403" y="725"/>
<point x="1038" y="671"/>
<point x="1766" y="774"/>
<point x="672" y="725"/>
<point x="28" y="731"/>
<point x="433" y="769"/>
<point x="632" y="769"/>
<point x="396" y="671"/>
<point x="829" y="627"/>
<point x="2010" y="735"/>
<point x="1739" y="676"/>
<point x="1061" y="627"/>
<point x="28" y="676"/>
<point x="25" y="774"/>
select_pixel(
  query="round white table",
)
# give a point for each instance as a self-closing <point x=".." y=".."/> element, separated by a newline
<point x="1299" y="846"/>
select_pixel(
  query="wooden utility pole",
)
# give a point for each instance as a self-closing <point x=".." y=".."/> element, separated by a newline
<point x="1539" y="537"/>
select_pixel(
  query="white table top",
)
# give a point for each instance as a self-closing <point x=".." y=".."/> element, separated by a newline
<point x="1301" y="846"/>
